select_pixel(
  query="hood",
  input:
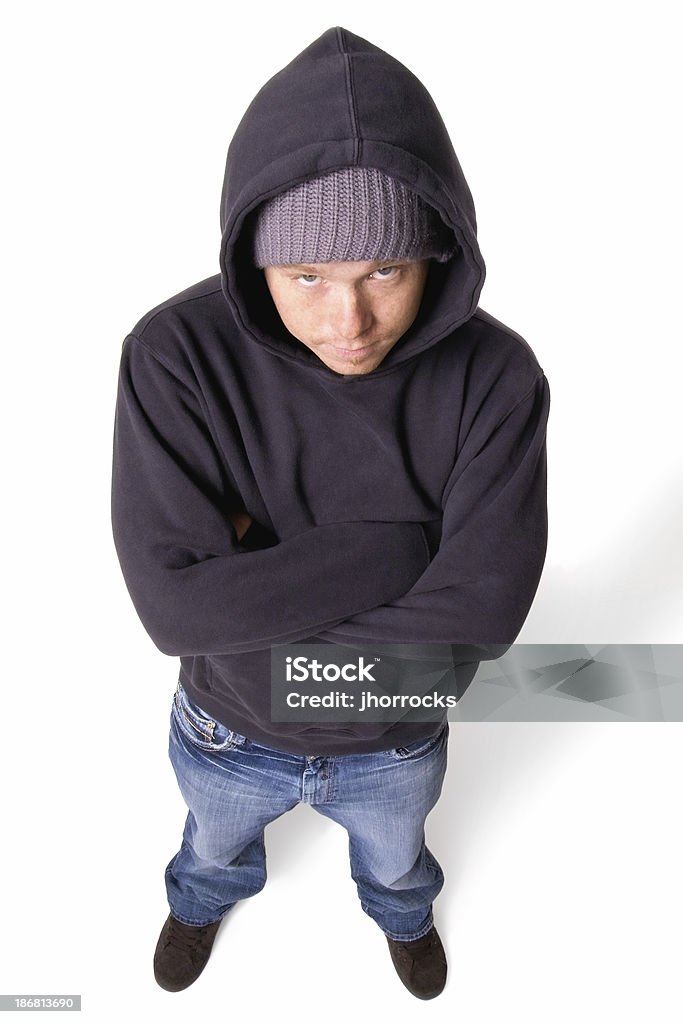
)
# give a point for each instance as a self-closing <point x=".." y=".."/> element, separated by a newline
<point x="345" y="102"/>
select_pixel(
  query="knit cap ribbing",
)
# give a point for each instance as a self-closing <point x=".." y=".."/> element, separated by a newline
<point x="354" y="213"/>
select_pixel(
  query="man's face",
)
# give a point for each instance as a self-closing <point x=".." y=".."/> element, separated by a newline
<point x="349" y="314"/>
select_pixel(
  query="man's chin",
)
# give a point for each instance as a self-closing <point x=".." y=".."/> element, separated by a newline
<point x="349" y="368"/>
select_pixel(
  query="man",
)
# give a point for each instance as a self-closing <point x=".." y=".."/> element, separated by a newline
<point x="329" y="442"/>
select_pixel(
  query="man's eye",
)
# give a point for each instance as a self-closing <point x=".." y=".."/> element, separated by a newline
<point x="385" y="272"/>
<point x="307" y="278"/>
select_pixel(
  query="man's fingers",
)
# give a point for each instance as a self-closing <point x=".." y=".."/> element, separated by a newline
<point x="241" y="521"/>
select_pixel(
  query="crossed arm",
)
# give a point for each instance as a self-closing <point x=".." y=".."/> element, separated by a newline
<point x="480" y="585"/>
<point x="197" y="591"/>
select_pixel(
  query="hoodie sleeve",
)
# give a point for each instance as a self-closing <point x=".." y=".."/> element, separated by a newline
<point x="194" y="587"/>
<point x="479" y="587"/>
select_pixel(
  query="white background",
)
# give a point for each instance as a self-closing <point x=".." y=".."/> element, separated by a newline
<point x="560" y="842"/>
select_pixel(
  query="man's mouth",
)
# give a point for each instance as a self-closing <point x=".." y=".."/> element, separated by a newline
<point x="350" y="353"/>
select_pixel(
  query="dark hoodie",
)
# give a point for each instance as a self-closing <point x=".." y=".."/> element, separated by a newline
<point x="402" y="506"/>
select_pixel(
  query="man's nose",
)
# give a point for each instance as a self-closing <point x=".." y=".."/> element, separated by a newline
<point x="353" y="314"/>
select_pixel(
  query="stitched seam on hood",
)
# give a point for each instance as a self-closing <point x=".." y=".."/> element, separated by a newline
<point x="350" y="96"/>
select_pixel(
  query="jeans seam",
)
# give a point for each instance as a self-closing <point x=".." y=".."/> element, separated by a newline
<point x="329" y="789"/>
<point x="204" y="746"/>
<point x="430" y="744"/>
<point x="189" y="718"/>
<point x="207" y="736"/>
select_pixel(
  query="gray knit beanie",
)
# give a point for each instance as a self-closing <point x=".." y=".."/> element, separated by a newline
<point x="355" y="213"/>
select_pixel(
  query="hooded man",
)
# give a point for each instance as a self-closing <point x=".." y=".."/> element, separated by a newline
<point x="328" y="442"/>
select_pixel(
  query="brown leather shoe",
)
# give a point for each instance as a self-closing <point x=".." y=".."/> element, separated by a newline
<point x="182" y="953"/>
<point x="421" y="965"/>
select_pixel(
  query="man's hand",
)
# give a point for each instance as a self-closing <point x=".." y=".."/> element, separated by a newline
<point x="241" y="521"/>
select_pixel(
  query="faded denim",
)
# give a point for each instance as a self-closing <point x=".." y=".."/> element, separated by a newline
<point x="234" y="786"/>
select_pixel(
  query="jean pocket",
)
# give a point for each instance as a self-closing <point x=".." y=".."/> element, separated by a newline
<point x="422" y="747"/>
<point x="199" y="728"/>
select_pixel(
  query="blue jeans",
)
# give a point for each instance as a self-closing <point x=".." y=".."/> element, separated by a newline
<point x="234" y="786"/>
